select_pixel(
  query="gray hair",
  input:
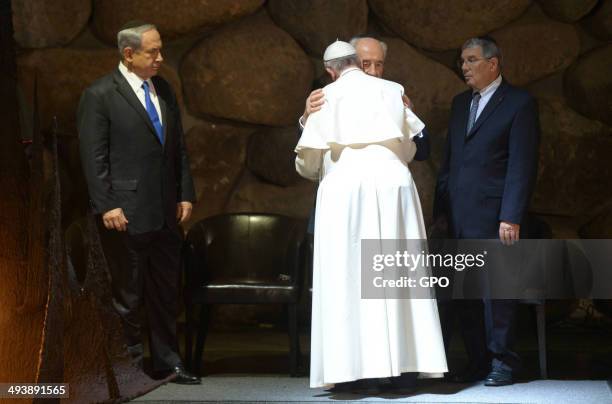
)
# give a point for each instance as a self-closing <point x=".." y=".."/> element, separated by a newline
<point x="132" y="37"/>
<point x="488" y="45"/>
<point x="340" y="64"/>
<point x="356" y="39"/>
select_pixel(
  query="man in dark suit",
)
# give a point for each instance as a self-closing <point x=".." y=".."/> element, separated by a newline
<point x="483" y="191"/>
<point x="140" y="186"/>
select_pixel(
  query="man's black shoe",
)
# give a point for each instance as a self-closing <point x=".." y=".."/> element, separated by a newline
<point x="184" y="377"/>
<point x="470" y="375"/>
<point x="499" y="378"/>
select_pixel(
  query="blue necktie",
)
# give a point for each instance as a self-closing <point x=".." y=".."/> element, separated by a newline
<point x="152" y="112"/>
<point x="473" y="111"/>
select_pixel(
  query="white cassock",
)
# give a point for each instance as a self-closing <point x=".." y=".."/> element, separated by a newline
<point x="358" y="146"/>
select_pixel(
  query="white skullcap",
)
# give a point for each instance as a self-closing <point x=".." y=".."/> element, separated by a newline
<point x="338" y="49"/>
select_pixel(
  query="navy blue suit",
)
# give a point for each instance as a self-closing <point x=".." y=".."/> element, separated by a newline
<point x="487" y="176"/>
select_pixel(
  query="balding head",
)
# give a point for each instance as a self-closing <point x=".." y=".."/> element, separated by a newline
<point x="371" y="54"/>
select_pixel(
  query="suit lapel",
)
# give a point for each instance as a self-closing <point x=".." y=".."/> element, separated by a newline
<point x="495" y="100"/>
<point x="123" y="87"/>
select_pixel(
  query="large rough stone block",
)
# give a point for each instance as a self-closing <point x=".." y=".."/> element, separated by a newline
<point x="62" y="75"/>
<point x="217" y="153"/>
<point x="567" y="10"/>
<point x="253" y="195"/>
<point x="430" y="85"/>
<point x="600" y="22"/>
<point x="588" y="84"/>
<point x="317" y="23"/>
<point x="41" y="23"/>
<point x="172" y="18"/>
<point x="251" y="71"/>
<point x="574" y="170"/>
<point x="600" y="224"/>
<point x="533" y="51"/>
<point x="441" y="25"/>
<point x="271" y="155"/>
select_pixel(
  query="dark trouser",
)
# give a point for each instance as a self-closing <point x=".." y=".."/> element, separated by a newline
<point x="500" y="318"/>
<point x="487" y="325"/>
<point x="469" y="313"/>
<point x="487" y="328"/>
<point x="145" y="268"/>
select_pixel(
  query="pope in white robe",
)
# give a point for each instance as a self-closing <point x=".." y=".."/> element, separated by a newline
<point x="358" y="146"/>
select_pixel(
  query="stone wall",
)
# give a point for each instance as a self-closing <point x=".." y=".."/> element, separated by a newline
<point x="243" y="68"/>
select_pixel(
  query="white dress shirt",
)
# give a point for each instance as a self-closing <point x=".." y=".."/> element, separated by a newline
<point x="136" y="83"/>
<point x="486" y="94"/>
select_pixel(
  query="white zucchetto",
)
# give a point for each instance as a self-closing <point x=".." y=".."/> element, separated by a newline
<point x="337" y="50"/>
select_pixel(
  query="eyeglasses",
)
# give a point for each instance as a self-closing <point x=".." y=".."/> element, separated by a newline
<point x="469" y="61"/>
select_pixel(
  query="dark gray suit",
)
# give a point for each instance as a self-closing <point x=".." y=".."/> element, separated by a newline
<point x="127" y="167"/>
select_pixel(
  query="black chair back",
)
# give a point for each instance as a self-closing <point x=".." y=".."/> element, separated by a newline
<point x="247" y="249"/>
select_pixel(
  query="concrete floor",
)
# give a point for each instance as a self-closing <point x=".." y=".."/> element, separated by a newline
<point x="282" y="389"/>
<point x="250" y="364"/>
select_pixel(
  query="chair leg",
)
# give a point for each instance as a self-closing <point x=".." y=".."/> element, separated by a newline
<point x="294" y="340"/>
<point x="201" y="339"/>
<point x="541" y="324"/>
<point x="188" y="335"/>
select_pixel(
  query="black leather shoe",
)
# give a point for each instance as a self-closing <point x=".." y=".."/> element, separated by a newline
<point x="499" y="378"/>
<point x="184" y="377"/>
<point x="470" y="375"/>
